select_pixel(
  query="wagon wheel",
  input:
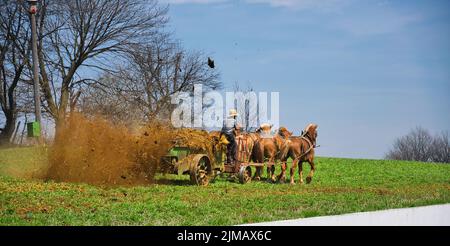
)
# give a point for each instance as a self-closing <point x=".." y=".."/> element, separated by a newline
<point x="200" y="170"/>
<point x="245" y="174"/>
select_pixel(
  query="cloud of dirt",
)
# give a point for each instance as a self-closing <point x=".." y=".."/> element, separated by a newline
<point x="95" y="151"/>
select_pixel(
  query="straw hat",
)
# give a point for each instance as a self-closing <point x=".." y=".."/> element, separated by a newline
<point x="233" y="113"/>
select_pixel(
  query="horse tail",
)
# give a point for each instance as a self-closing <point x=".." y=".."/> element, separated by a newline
<point x="284" y="151"/>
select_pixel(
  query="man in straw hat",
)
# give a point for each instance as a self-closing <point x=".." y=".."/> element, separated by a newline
<point x="229" y="129"/>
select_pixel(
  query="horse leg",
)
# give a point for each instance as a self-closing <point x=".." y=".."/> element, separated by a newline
<point x="300" y="171"/>
<point x="255" y="157"/>
<point x="292" y="172"/>
<point x="273" y="177"/>
<point x="282" y="176"/>
<point x="269" y="169"/>
<point x="271" y="173"/>
<point x="311" y="172"/>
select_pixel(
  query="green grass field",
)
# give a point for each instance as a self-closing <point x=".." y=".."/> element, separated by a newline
<point x="339" y="186"/>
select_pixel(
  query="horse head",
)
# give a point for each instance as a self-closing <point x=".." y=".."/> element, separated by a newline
<point x="265" y="128"/>
<point x="311" y="132"/>
<point x="283" y="132"/>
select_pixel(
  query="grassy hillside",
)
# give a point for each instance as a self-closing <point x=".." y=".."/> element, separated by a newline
<point x="339" y="186"/>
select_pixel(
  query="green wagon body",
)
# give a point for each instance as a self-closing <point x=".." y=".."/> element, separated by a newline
<point x="184" y="160"/>
<point x="179" y="152"/>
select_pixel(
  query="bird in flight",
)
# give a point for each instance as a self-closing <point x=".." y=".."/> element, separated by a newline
<point x="211" y="63"/>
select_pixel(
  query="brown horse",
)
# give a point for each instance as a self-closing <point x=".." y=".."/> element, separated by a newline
<point x="270" y="148"/>
<point x="301" y="149"/>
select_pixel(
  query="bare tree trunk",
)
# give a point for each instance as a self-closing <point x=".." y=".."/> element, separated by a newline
<point x="8" y="129"/>
<point x="14" y="47"/>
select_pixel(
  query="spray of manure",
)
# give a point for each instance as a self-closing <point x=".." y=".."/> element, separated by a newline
<point x="92" y="150"/>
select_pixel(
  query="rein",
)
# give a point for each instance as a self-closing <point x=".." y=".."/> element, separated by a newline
<point x="311" y="146"/>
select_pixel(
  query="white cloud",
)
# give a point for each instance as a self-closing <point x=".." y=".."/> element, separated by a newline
<point x="298" y="4"/>
<point x="383" y="21"/>
<point x="359" y="18"/>
<point x="192" y="1"/>
<point x="294" y="4"/>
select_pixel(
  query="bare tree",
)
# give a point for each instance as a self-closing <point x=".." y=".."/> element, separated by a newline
<point x="78" y="36"/>
<point x="14" y="53"/>
<point x="249" y="110"/>
<point x="153" y="73"/>
<point x="419" y="145"/>
<point x="105" y="99"/>
<point x="440" y="148"/>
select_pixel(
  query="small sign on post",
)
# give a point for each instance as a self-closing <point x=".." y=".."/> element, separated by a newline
<point x="33" y="129"/>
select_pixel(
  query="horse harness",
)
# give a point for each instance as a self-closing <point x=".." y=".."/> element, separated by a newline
<point x="311" y="146"/>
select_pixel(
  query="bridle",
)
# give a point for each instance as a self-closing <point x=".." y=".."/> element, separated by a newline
<point x="307" y="137"/>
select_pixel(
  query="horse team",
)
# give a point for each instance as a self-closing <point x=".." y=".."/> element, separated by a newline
<point x="273" y="149"/>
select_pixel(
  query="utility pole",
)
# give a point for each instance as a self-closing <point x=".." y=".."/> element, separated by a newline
<point x="37" y="100"/>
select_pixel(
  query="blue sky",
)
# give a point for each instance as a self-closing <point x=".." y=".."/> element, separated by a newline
<point x="365" y="71"/>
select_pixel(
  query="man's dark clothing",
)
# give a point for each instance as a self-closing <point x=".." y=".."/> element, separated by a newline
<point x="228" y="130"/>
